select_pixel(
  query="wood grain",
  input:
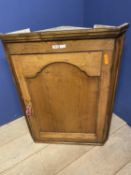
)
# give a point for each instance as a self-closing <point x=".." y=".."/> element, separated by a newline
<point x="104" y="94"/>
<point x="70" y="46"/>
<point x="61" y="84"/>
<point x="67" y="92"/>
<point x="11" y="131"/>
<point x="53" y="158"/>
<point x="107" y="159"/>
<point x="24" y="147"/>
<point x="126" y="170"/>
<point x="89" y="62"/>
<point x="66" y="34"/>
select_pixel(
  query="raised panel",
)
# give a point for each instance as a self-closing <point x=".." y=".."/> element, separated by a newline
<point x="64" y="99"/>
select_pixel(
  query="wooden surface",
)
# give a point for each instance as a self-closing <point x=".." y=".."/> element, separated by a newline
<point x="70" y="46"/>
<point x="19" y="155"/>
<point x="68" y="93"/>
<point x="67" y="87"/>
<point x="60" y="93"/>
<point x="66" y="34"/>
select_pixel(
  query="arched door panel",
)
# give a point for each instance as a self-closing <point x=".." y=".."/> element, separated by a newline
<point x="63" y="93"/>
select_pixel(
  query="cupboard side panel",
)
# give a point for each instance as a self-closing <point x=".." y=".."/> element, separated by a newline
<point x="104" y="93"/>
<point x="114" y="79"/>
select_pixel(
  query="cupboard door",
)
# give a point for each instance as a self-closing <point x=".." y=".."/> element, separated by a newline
<point x="65" y="95"/>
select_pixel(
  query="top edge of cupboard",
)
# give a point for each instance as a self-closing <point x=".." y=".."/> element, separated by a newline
<point x="92" y="33"/>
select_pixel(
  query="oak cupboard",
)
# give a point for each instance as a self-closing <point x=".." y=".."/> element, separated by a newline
<point x="66" y="81"/>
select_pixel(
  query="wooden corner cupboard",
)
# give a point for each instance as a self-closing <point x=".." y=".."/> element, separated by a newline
<point x="66" y="81"/>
